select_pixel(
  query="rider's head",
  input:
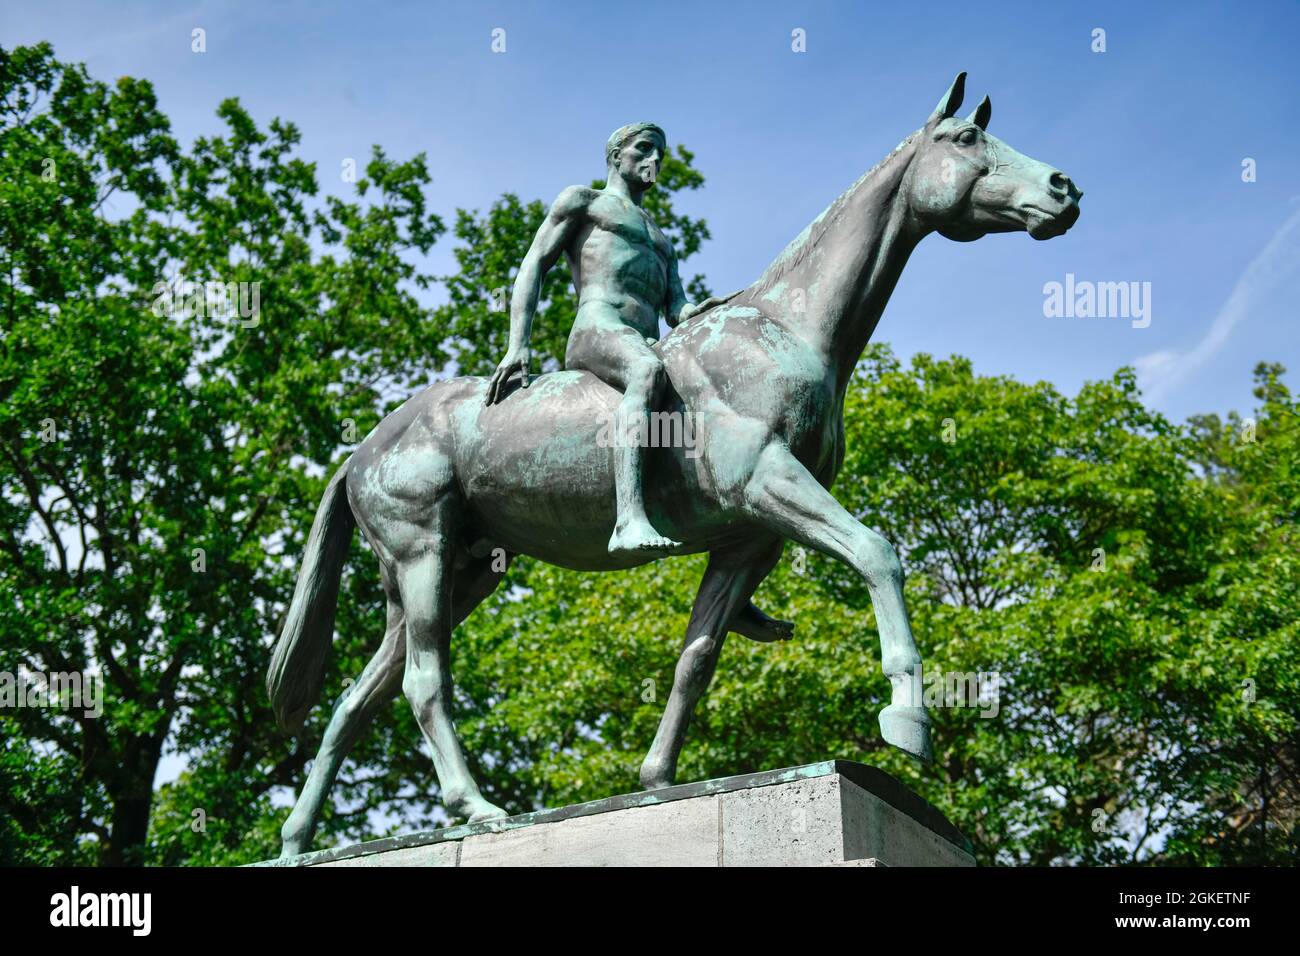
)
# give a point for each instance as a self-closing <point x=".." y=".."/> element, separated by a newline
<point x="636" y="153"/>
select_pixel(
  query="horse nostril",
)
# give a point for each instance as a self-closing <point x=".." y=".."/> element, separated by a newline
<point x="1063" y="187"/>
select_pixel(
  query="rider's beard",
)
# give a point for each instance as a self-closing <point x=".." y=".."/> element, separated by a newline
<point x="648" y="175"/>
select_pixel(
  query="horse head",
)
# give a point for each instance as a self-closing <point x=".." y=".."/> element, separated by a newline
<point x="964" y="182"/>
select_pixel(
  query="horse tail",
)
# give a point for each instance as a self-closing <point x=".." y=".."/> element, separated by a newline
<point x="297" y="669"/>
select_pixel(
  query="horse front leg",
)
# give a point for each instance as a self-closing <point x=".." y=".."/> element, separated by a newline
<point x="732" y="576"/>
<point x="785" y="497"/>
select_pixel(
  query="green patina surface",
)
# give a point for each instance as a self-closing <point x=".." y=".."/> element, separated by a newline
<point x="869" y="778"/>
<point x="762" y="369"/>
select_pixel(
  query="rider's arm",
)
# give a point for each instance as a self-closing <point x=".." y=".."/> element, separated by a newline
<point x="555" y="232"/>
<point x="676" y="309"/>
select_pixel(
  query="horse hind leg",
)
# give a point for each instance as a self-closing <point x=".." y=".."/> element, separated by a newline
<point x="379" y="683"/>
<point x="424" y="580"/>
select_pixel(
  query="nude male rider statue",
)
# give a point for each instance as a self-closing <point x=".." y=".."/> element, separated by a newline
<point x="626" y="274"/>
<point x="625" y="271"/>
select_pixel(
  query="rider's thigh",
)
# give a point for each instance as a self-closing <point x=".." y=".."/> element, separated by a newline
<point x="612" y="351"/>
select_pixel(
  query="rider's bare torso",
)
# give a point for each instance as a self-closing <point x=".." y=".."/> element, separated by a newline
<point x="620" y="262"/>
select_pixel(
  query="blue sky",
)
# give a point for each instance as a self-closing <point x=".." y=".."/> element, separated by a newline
<point x="1154" y="130"/>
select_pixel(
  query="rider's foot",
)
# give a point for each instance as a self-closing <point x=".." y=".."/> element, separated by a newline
<point x="639" y="536"/>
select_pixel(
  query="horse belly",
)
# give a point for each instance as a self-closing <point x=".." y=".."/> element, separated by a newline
<point x="537" y="474"/>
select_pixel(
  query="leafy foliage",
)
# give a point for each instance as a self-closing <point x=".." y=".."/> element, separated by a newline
<point x="1074" y="548"/>
<point x="1133" y="583"/>
<point x="162" y="453"/>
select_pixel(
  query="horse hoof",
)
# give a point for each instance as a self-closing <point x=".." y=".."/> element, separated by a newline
<point x="655" y="778"/>
<point x="908" y="729"/>
<point x="488" y="812"/>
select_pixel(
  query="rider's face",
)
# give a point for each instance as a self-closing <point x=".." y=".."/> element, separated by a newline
<point x="639" y="160"/>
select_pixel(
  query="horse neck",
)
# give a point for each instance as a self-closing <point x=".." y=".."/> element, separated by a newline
<point x="843" y="267"/>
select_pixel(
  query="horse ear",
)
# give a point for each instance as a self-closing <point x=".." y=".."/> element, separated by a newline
<point x="951" y="102"/>
<point x="982" y="113"/>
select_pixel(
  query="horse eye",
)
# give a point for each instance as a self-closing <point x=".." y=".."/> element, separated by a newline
<point x="967" y="137"/>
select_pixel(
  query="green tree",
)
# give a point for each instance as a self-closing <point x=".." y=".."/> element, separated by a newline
<point x="1073" y="547"/>
<point x="1133" y="584"/>
<point x="162" y="457"/>
<point x="163" y="446"/>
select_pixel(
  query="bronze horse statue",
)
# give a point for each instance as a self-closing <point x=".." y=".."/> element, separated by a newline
<point x="447" y="485"/>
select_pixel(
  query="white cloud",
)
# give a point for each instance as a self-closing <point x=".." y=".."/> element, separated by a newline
<point x="1161" y="372"/>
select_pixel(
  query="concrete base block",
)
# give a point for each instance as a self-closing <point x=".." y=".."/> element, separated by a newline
<point x="681" y="833"/>
<point x="835" y="813"/>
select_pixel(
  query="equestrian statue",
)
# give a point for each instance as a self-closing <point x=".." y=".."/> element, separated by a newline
<point x="474" y="471"/>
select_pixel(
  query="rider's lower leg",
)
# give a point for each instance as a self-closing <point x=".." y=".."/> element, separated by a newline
<point x="632" y="529"/>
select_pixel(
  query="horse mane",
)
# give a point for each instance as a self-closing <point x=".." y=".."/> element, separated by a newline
<point x="785" y="264"/>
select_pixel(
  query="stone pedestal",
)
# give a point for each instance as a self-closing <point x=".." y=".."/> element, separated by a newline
<point x="831" y="813"/>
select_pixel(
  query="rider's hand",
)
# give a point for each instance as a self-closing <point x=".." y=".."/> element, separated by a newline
<point x="696" y="308"/>
<point x="693" y="310"/>
<point x="516" y="360"/>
